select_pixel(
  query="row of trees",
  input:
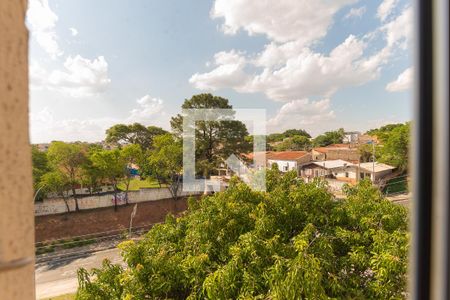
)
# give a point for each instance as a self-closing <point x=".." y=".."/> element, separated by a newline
<point x="299" y="139"/>
<point x="292" y="242"/>
<point x="67" y="166"/>
<point x="157" y="153"/>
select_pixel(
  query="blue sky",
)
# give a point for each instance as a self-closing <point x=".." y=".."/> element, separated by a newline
<point x="317" y="65"/>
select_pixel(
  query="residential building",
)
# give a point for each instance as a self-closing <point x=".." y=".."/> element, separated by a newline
<point x="351" y="137"/>
<point x="374" y="171"/>
<point x="333" y="169"/>
<point x="288" y="160"/>
<point x="347" y="152"/>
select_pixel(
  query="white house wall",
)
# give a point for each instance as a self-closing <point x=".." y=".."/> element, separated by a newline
<point x="292" y="165"/>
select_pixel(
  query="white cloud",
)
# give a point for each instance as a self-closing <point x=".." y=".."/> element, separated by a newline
<point x="282" y="20"/>
<point x="42" y="21"/>
<point x="356" y="12"/>
<point x="148" y="109"/>
<point x="73" y="31"/>
<point x="385" y="9"/>
<point x="45" y="127"/>
<point x="291" y="72"/>
<point x="403" y="82"/>
<point x="81" y="77"/>
<point x="229" y="72"/>
<point x="301" y="113"/>
<point x="399" y="31"/>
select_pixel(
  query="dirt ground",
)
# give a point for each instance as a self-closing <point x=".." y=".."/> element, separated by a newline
<point x="69" y="225"/>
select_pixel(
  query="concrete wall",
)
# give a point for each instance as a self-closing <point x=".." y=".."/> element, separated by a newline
<point x="57" y="205"/>
<point x="337" y="153"/>
<point x="335" y="185"/>
<point x="16" y="213"/>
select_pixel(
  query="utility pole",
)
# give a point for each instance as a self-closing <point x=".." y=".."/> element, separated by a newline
<point x="373" y="161"/>
<point x="133" y="214"/>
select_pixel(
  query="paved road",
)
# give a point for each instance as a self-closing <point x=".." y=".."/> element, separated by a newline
<point x="59" y="277"/>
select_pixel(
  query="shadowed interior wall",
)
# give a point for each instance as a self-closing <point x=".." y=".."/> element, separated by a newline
<point x="16" y="207"/>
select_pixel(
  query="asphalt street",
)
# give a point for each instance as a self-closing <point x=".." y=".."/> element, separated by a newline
<point x="59" y="276"/>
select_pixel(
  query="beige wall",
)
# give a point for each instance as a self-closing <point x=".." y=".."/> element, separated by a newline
<point x="57" y="205"/>
<point x="16" y="207"/>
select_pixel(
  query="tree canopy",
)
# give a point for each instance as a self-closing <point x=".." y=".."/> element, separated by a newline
<point x="295" y="143"/>
<point x="215" y="141"/>
<point x="278" y="137"/>
<point x="395" y="150"/>
<point x="165" y="162"/>
<point x="136" y="133"/>
<point x="292" y="242"/>
<point x="330" y="137"/>
<point x="68" y="158"/>
<point x="112" y="166"/>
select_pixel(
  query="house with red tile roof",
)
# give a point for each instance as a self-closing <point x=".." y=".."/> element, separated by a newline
<point x="288" y="160"/>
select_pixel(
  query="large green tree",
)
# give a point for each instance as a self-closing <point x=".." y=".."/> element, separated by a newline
<point x="215" y="141"/>
<point x="296" y="132"/>
<point x="56" y="182"/>
<point x="68" y="158"/>
<point x="383" y="132"/>
<point x="330" y="137"/>
<point x="133" y="156"/>
<point x="91" y="176"/>
<point x="113" y="167"/>
<point x="136" y="133"/>
<point x="165" y="163"/>
<point x="395" y="150"/>
<point x="294" y="143"/>
<point x="292" y="242"/>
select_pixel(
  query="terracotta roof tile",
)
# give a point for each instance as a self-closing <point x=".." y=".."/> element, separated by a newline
<point x="286" y="155"/>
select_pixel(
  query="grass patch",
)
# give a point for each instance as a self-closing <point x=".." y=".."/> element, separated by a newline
<point x="63" y="244"/>
<point x="137" y="184"/>
<point x="45" y="249"/>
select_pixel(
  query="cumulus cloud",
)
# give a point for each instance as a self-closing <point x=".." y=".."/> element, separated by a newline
<point x="45" y="127"/>
<point x="73" y="31"/>
<point x="403" y="82"/>
<point x="282" y="20"/>
<point x="386" y="8"/>
<point x="288" y="68"/>
<point x="41" y="21"/>
<point x="229" y="71"/>
<point x="81" y="77"/>
<point x="399" y="31"/>
<point x="291" y="72"/>
<point x="148" y="108"/>
<point x="301" y="113"/>
<point x="356" y="12"/>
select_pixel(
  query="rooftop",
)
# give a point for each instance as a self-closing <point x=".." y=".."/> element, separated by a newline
<point x="336" y="147"/>
<point x="286" y="155"/>
<point x="333" y="164"/>
<point x="379" y="167"/>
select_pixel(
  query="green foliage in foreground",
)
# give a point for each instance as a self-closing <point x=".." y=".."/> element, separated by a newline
<point x="292" y="242"/>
